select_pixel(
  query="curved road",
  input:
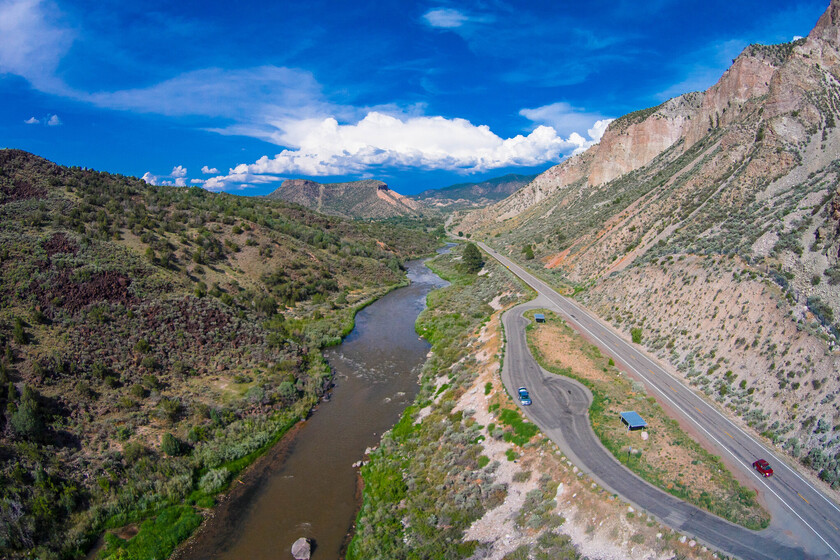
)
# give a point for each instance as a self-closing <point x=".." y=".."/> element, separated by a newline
<point x="804" y="521"/>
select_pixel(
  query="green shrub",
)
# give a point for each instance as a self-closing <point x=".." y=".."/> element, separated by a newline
<point x="636" y="335"/>
<point x="133" y="451"/>
<point x="138" y="391"/>
<point x="522" y="431"/>
<point x="214" y="480"/>
<point x="171" y="445"/>
<point x="19" y="332"/>
<point x="26" y="420"/>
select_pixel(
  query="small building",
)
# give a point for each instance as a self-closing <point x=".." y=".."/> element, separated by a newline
<point x="633" y="420"/>
<point x="539" y="318"/>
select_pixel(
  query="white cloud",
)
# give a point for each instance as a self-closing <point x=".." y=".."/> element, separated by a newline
<point x="49" y="120"/>
<point x="446" y="18"/>
<point x="178" y="178"/>
<point x="197" y="181"/>
<point x="450" y="18"/>
<point x="33" y="42"/>
<point x="325" y="147"/>
<point x="598" y="129"/>
<point x="209" y="170"/>
<point x="563" y="117"/>
<point x="267" y="92"/>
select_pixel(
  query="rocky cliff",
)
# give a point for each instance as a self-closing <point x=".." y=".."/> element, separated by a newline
<point x="356" y="199"/>
<point x="711" y="223"/>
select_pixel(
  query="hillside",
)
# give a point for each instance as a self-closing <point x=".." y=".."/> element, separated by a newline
<point x="357" y="199"/>
<point x="710" y="227"/>
<point x="155" y="340"/>
<point x="473" y="195"/>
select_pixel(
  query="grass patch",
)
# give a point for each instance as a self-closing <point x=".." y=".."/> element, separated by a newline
<point x="670" y="459"/>
<point x="521" y="431"/>
<point x="158" y="537"/>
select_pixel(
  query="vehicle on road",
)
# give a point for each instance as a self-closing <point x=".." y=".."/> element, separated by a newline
<point x="763" y="468"/>
<point x="524" y="397"/>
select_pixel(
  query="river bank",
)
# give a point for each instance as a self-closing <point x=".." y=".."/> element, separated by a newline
<point x="307" y="485"/>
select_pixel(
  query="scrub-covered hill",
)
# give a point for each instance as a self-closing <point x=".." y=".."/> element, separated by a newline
<point x="153" y="341"/>
<point x="709" y="228"/>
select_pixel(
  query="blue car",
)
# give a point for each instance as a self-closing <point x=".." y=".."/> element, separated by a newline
<point x="524" y="397"/>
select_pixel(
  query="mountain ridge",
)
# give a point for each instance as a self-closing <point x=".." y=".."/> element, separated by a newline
<point x="704" y="220"/>
<point x="462" y="196"/>
<point x="367" y="198"/>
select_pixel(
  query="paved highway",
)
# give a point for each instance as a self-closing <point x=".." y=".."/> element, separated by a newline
<point x="804" y="521"/>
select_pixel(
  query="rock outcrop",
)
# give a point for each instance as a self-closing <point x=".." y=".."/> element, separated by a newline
<point x="356" y="199"/>
<point x="711" y="222"/>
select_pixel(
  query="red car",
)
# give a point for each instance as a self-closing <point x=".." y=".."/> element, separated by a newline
<point x="763" y="467"/>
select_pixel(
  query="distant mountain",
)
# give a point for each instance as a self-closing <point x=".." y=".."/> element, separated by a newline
<point x="709" y="227"/>
<point x="356" y="199"/>
<point x="474" y="195"/>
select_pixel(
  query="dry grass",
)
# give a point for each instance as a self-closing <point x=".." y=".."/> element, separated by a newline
<point x="669" y="458"/>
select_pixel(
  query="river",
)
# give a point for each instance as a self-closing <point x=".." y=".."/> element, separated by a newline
<point x="308" y="487"/>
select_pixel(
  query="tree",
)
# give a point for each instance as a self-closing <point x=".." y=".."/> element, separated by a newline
<point x="25" y="419"/>
<point x="529" y="252"/>
<point x="19" y="333"/>
<point x="472" y="261"/>
<point x="171" y="445"/>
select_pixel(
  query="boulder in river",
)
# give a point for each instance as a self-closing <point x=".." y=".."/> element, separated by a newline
<point x="301" y="549"/>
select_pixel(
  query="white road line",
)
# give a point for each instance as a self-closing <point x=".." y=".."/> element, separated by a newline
<point x="644" y="358"/>
<point x="738" y="428"/>
<point x="666" y="397"/>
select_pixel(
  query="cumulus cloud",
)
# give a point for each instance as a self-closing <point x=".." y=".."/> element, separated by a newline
<point x="178" y="178"/>
<point x="49" y="120"/>
<point x="598" y="129"/>
<point x="325" y="147"/>
<point x="209" y="170"/>
<point x="565" y="118"/>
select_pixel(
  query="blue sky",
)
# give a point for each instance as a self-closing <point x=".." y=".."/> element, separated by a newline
<point x="239" y="96"/>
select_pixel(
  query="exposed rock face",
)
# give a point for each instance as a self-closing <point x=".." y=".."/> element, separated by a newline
<point x="634" y="140"/>
<point x="356" y="199"/>
<point x="713" y="223"/>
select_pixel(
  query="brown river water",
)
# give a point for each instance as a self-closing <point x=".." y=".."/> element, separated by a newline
<point x="307" y="486"/>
